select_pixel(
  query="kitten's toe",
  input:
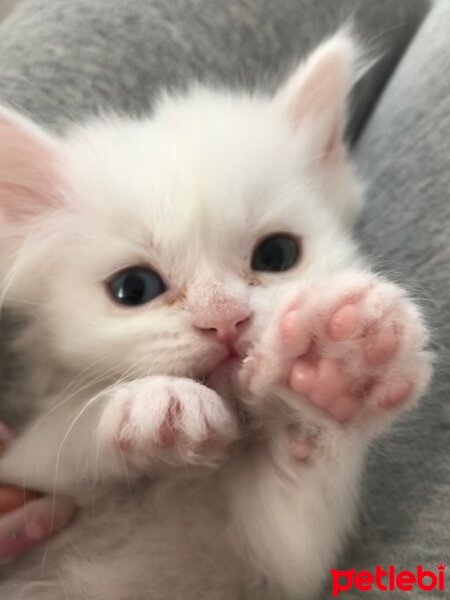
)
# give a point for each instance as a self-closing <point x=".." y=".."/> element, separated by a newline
<point x="382" y="347"/>
<point x="169" y="420"/>
<point x="343" y="322"/>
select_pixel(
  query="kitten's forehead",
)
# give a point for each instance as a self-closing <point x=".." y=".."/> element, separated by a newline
<point x="200" y="173"/>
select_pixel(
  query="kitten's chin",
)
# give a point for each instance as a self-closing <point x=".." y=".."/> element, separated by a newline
<point x="221" y="372"/>
<point x="222" y="377"/>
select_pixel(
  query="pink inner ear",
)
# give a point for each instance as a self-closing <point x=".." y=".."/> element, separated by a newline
<point x="316" y="94"/>
<point x="27" y="169"/>
<point x="323" y="89"/>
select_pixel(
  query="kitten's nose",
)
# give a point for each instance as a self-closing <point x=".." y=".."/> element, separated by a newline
<point x="224" y="317"/>
<point x="228" y="330"/>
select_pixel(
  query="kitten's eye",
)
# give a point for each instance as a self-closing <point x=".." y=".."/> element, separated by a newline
<point x="276" y="253"/>
<point x="136" y="286"/>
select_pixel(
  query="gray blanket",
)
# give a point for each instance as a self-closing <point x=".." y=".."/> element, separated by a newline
<point x="63" y="59"/>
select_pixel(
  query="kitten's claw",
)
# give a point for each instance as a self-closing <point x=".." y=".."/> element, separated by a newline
<point x="170" y="420"/>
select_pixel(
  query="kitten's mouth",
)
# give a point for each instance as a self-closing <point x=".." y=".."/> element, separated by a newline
<point x="229" y="363"/>
<point x="221" y="374"/>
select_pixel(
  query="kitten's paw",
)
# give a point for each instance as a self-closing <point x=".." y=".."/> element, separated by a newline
<point x="353" y="347"/>
<point x="168" y="419"/>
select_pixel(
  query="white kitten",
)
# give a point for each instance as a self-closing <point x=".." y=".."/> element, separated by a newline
<point x="207" y="352"/>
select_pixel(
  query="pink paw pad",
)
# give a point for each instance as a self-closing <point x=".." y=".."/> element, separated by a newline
<point x="397" y="395"/>
<point x="293" y="333"/>
<point x="344" y="354"/>
<point x="301" y="449"/>
<point x="343" y="322"/>
<point x="321" y="381"/>
<point x="301" y="446"/>
<point x="382" y="347"/>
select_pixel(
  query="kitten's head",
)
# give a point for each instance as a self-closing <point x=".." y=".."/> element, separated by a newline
<point x="162" y="245"/>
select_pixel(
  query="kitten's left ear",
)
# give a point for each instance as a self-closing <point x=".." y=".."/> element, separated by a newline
<point x="29" y="169"/>
<point x="314" y="98"/>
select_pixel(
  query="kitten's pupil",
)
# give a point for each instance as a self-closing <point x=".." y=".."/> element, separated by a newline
<point x="136" y="286"/>
<point x="276" y="253"/>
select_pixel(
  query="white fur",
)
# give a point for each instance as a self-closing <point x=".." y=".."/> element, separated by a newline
<point x="189" y="191"/>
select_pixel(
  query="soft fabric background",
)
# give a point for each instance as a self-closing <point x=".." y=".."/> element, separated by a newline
<point x="404" y="154"/>
<point x="63" y="59"/>
<point x="6" y="6"/>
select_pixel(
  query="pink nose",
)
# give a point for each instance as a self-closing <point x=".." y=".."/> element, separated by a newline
<point x="226" y="331"/>
<point x="224" y="319"/>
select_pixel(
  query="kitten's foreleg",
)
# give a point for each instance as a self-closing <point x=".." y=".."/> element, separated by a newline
<point x="290" y="517"/>
<point x="123" y="432"/>
<point x="334" y="370"/>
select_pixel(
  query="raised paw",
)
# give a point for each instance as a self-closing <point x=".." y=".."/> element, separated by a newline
<point x="169" y="420"/>
<point x="352" y="348"/>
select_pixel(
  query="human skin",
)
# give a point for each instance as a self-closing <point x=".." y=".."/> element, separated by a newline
<point x="26" y="517"/>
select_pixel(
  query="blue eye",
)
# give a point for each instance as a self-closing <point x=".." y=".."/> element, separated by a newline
<point x="276" y="253"/>
<point x="136" y="286"/>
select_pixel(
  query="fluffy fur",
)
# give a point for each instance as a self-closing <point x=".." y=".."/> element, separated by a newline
<point x="198" y="478"/>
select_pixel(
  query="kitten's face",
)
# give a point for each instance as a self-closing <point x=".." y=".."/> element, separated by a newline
<point x="176" y="238"/>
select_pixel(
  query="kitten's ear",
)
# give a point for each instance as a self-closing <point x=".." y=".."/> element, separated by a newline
<point x="315" y="97"/>
<point x="29" y="158"/>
